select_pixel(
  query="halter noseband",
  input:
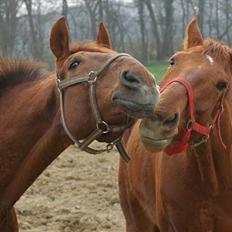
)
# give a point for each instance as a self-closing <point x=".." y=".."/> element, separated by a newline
<point x="102" y="127"/>
<point x="192" y="125"/>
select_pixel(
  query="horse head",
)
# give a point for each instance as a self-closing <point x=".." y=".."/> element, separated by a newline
<point x="193" y="93"/>
<point x="119" y="85"/>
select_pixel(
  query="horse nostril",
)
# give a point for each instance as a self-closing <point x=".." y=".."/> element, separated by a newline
<point x="172" y="121"/>
<point x="130" y="80"/>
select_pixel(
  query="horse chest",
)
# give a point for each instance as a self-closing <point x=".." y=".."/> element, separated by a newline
<point x="185" y="203"/>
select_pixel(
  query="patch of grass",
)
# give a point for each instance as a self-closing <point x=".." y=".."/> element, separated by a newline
<point x="158" y="69"/>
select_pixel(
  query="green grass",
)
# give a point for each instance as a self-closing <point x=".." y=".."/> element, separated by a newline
<point x="158" y="69"/>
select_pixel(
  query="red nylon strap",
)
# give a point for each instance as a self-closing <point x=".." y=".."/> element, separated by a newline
<point x="201" y="129"/>
<point x="192" y="124"/>
<point x="182" y="145"/>
<point x="188" y="88"/>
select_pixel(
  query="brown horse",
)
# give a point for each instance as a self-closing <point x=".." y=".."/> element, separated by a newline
<point x="180" y="175"/>
<point x="32" y="131"/>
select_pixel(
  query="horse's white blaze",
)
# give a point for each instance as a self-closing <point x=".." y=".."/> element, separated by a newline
<point x="210" y="59"/>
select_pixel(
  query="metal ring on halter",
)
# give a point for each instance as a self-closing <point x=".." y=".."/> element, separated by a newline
<point x="58" y="83"/>
<point x="92" y="77"/>
<point x="103" y="126"/>
<point x="109" y="146"/>
<point x="190" y="124"/>
<point x="203" y="139"/>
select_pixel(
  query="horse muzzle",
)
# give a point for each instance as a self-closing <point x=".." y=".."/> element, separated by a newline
<point x="138" y="102"/>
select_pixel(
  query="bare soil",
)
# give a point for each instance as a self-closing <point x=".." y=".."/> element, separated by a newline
<point x="76" y="193"/>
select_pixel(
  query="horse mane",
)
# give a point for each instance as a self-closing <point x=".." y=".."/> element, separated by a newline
<point x="16" y="71"/>
<point x="219" y="51"/>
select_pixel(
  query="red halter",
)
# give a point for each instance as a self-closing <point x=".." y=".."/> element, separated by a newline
<point x="192" y="125"/>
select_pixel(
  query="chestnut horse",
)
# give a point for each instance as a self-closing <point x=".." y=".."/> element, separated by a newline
<point x="180" y="175"/>
<point x="32" y="128"/>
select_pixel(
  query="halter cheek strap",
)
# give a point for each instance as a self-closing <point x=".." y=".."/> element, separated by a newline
<point x="102" y="127"/>
<point x="192" y="125"/>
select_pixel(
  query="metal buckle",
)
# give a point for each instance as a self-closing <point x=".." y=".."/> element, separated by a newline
<point x="58" y="83"/>
<point x="103" y="126"/>
<point x="204" y="139"/>
<point x="92" y="77"/>
<point x="190" y="124"/>
<point x="109" y="147"/>
<point x="221" y="107"/>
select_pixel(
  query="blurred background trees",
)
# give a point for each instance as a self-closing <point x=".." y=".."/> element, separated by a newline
<point x="151" y="30"/>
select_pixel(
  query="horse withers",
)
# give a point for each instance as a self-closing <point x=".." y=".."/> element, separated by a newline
<point x="91" y="95"/>
<point x="180" y="175"/>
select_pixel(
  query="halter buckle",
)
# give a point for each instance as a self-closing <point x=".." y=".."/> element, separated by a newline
<point x="104" y="127"/>
<point x="109" y="147"/>
<point x="221" y="107"/>
<point x="58" y="81"/>
<point x="92" y="77"/>
<point x="190" y="124"/>
<point x="203" y="139"/>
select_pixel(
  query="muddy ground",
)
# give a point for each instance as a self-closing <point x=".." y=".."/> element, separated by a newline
<point x="77" y="193"/>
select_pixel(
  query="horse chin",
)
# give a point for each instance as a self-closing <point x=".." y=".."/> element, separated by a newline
<point x="155" y="145"/>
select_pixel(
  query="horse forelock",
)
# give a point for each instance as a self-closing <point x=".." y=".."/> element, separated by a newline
<point x="16" y="71"/>
<point x="219" y="51"/>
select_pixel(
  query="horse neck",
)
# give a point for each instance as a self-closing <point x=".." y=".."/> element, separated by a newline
<point x="32" y="106"/>
<point x="33" y="135"/>
<point x="214" y="163"/>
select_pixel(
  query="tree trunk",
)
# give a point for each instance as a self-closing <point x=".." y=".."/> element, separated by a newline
<point x="65" y="8"/>
<point x="201" y="13"/>
<point x="8" y="25"/>
<point x="217" y="26"/>
<point x="91" y="8"/>
<point x="168" y="33"/>
<point x="155" y="29"/>
<point x="144" y="47"/>
<point x="35" y="42"/>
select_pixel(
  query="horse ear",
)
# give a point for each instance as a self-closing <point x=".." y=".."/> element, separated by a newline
<point x="103" y="37"/>
<point x="59" y="38"/>
<point x="193" y="36"/>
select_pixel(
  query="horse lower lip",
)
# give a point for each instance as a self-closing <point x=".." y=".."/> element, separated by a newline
<point x="158" y="142"/>
<point x="125" y="102"/>
<point x="132" y="105"/>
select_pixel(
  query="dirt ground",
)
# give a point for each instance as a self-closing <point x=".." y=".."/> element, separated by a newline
<point x="77" y="193"/>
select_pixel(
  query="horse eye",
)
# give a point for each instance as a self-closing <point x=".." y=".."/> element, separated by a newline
<point x="74" y="65"/>
<point x="172" y="61"/>
<point x="221" y="85"/>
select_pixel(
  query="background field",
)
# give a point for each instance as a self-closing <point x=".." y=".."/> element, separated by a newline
<point x="158" y="69"/>
<point x="77" y="193"/>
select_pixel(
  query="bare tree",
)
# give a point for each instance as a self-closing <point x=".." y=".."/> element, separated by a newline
<point x="148" y="29"/>
<point x="91" y="6"/>
<point x="154" y="26"/>
<point x="36" y="43"/>
<point x="201" y="13"/>
<point x="168" y="29"/>
<point x="65" y="8"/>
<point x="8" y="25"/>
<point x="142" y="26"/>
<point x="162" y="26"/>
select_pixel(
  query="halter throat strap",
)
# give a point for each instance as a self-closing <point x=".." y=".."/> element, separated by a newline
<point x="192" y="125"/>
<point x="102" y="127"/>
